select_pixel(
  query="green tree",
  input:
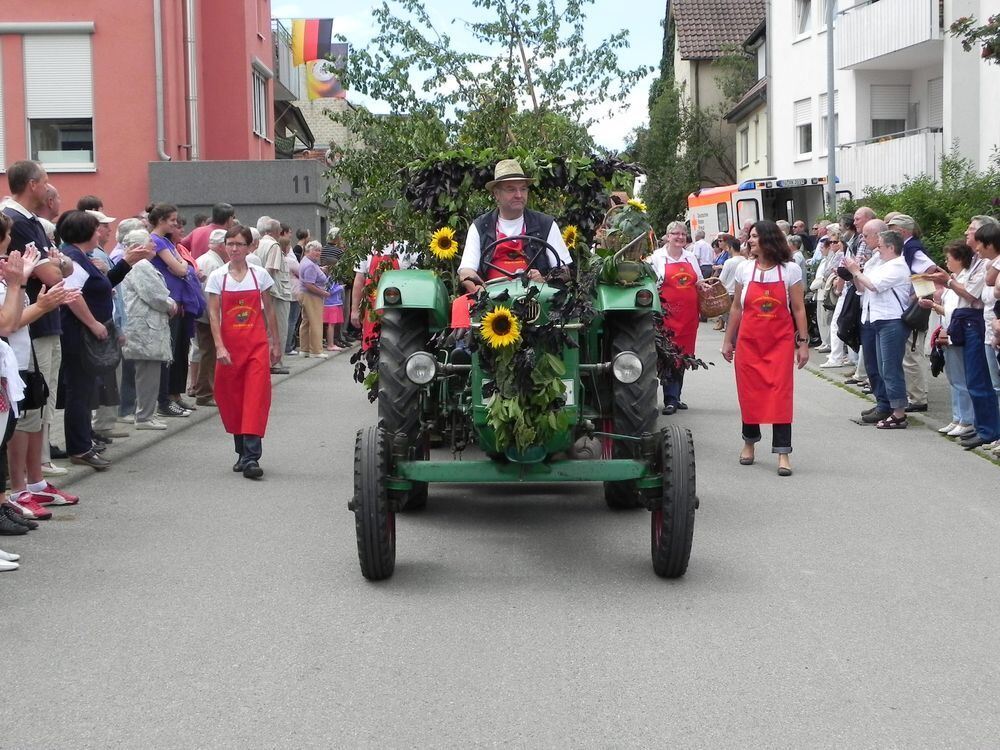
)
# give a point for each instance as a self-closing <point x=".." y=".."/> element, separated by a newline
<point x="527" y="88"/>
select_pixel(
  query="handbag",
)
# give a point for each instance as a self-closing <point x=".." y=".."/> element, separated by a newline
<point x="100" y="355"/>
<point x="849" y="323"/>
<point x="916" y="318"/>
<point x="36" y="390"/>
<point x="714" y="300"/>
<point x="832" y="295"/>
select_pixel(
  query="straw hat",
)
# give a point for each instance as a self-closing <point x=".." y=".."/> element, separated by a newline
<point x="508" y="170"/>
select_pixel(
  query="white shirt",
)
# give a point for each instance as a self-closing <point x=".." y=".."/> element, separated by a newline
<point x="19" y="340"/>
<point x="891" y="296"/>
<point x="472" y="254"/>
<point x="399" y="249"/>
<point x="989" y="298"/>
<point x="921" y="263"/>
<point x="728" y="273"/>
<point x="214" y="283"/>
<point x="702" y="250"/>
<point x="790" y="273"/>
<point x="77" y="279"/>
<point x="973" y="279"/>
<point x="660" y="260"/>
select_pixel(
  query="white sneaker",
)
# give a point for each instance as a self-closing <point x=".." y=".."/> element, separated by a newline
<point x="4" y="566"/>
<point x="127" y="419"/>
<point x="961" y="430"/>
<point x="9" y="556"/>
<point x="829" y="364"/>
<point x="321" y="355"/>
<point x="823" y="348"/>
<point x="51" y="470"/>
<point x="948" y="428"/>
<point x="151" y="424"/>
<point x="306" y="355"/>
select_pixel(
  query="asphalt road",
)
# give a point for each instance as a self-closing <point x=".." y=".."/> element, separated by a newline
<point x="180" y="606"/>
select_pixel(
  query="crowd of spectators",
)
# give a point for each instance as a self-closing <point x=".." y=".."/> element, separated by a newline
<point x="108" y="321"/>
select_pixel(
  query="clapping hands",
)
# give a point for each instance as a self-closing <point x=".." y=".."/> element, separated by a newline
<point x="50" y="298"/>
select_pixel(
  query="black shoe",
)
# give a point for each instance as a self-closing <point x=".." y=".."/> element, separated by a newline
<point x="91" y="459"/>
<point x="280" y="371"/>
<point x="681" y="405"/>
<point x="98" y="447"/>
<point x="669" y="409"/>
<point x="252" y="470"/>
<point x="869" y="411"/>
<point x="238" y="466"/>
<point x="11" y="512"/>
<point x="101" y="440"/>
<point x="910" y="408"/>
<point x="875" y="416"/>
<point x="13" y="524"/>
<point x="972" y="442"/>
<point x="55" y="452"/>
<point x="172" y="410"/>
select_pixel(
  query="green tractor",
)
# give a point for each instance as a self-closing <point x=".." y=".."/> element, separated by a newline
<point x="574" y="401"/>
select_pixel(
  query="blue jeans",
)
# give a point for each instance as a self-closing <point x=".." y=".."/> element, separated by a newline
<point x="890" y="346"/>
<point x="869" y="350"/>
<point x="294" y="313"/>
<point x="954" y="369"/>
<point x="126" y="405"/>
<point x="994" y="364"/>
<point x="672" y="389"/>
<point x="977" y="380"/>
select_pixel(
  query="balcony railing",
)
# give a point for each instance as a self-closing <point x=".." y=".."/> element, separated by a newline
<point x="285" y="72"/>
<point x="891" y="159"/>
<point x="872" y="30"/>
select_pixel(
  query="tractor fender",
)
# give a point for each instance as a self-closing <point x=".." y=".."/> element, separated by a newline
<point x="616" y="297"/>
<point x="418" y="290"/>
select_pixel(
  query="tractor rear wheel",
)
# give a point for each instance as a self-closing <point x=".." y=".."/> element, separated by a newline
<point x="634" y="404"/>
<point x="672" y="522"/>
<point x="404" y="332"/>
<point x="374" y="521"/>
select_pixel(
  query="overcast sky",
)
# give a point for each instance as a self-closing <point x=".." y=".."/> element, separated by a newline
<point x="642" y="17"/>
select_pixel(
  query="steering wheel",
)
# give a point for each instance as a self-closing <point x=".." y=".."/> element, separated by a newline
<point x="490" y="250"/>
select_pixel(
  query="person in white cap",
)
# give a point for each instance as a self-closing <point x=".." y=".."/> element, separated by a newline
<point x="213" y="259"/>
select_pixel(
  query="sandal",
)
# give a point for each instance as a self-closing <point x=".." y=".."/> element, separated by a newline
<point x="892" y="422"/>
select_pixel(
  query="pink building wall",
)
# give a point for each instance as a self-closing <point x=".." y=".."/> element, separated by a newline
<point x="229" y="36"/>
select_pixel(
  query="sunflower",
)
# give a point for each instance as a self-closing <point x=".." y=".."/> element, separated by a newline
<point x="443" y="245"/>
<point x="636" y="203"/>
<point x="500" y="328"/>
<point x="570" y="235"/>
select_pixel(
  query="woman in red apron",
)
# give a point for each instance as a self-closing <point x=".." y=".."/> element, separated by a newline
<point x="679" y="297"/>
<point x="377" y="265"/>
<point x="768" y="322"/>
<point x="245" y="332"/>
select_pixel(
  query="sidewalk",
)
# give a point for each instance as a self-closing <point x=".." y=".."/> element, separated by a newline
<point x="122" y="448"/>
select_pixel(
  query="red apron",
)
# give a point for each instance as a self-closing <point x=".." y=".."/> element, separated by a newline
<point x="679" y="297"/>
<point x="243" y="388"/>
<point x="765" y="353"/>
<point x="508" y="256"/>
<point x="370" y="319"/>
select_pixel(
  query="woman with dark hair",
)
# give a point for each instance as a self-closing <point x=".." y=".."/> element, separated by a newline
<point x="86" y="315"/>
<point x="766" y="339"/>
<point x="175" y="271"/>
<point x="246" y="345"/>
<point x="965" y="356"/>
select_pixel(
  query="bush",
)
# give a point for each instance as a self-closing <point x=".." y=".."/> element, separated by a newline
<point x="941" y="210"/>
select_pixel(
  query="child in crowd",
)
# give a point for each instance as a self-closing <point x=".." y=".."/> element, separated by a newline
<point x="333" y="316"/>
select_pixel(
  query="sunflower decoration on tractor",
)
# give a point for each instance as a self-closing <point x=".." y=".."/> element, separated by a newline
<point x="551" y="380"/>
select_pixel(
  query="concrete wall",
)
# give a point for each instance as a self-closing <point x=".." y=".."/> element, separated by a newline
<point x="290" y="190"/>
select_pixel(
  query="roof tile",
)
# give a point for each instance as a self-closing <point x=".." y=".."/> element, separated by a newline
<point x="706" y="27"/>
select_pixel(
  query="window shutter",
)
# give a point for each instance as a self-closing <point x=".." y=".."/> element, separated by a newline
<point x="58" y="76"/>
<point x="802" y="114"/>
<point x="935" y="103"/>
<point x="822" y="103"/>
<point x="890" y="102"/>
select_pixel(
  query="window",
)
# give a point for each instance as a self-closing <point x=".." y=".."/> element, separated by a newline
<point x="744" y="147"/>
<point x="59" y="100"/>
<point x="890" y="106"/>
<point x="823" y="132"/>
<point x="935" y="103"/>
<point x="747" y="210"/>
<point x="803" y="127"/>
<point x="722" y="214"/>
<point x="803" y="9"/>
<point x="259" y="104"/>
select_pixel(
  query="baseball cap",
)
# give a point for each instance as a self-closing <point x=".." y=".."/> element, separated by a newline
<point x="903" y="221"/>
<point x="102" y="218"/>
<point x="217" y="235"/>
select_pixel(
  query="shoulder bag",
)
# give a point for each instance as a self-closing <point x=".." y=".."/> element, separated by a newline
<point x="100" y="355"/>
<point x="36" y="390"/>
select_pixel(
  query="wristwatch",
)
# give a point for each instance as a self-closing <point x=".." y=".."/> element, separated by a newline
<point x="799" y="339"/>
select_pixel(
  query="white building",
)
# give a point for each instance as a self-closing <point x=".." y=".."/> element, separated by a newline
<point x="905" y="91"/>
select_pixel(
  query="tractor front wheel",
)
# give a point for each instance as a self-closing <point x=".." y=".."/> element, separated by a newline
<point x="374" y="521"/>
<point x="673" y="519"/>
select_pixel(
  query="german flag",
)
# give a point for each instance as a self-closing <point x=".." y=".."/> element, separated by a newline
<point x="311" y="39"/>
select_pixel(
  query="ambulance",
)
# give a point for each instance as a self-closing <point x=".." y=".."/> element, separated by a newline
<point x="729" y="207"/>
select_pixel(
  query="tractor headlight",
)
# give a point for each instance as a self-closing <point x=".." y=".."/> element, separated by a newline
<point x="627" y="367"/>
<point x="392" y="296"/>
<point x="421" y="368"/>
<point x="644" y="298"/>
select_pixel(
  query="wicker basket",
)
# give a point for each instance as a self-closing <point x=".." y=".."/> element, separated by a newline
<point x="715" y="300"/>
